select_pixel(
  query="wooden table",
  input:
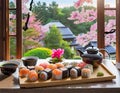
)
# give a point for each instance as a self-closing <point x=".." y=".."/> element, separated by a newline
<point x="11" y="85"/>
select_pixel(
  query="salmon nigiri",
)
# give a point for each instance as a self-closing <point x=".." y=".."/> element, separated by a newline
<point x="39" y="68"/>
<point x="52" y="66"/>
<point x="24" y="72"/>
<point x="59" y="65"/>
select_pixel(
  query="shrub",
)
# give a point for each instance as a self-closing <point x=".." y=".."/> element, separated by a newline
<point x="68" y="52"/>
<point x="77" y="57"/>
<point x="39" y="52"/>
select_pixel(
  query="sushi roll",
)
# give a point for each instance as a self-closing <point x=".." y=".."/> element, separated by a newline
<point x="23" y="72"/>
<point x="69" y="67"/>
<point x="45" y="74"/>
<point x="89" y="66"/>
<point x="57" y="74"/>
<point x="32" y="76"/>
<point x="86" y="73"/>
<point x="59" y="65"/>
<point x="75" y="72"/>
<point x="65" y="72"/>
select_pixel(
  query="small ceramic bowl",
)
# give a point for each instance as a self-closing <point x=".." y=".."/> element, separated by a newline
<point x="30" y="61"/>
<point x="8" y="68"/>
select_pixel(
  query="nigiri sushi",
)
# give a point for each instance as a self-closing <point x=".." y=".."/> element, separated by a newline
<point x="44" y="65"/>
<point x="39" y="68"/>
<point x="52" y="66"/>
<point x="57" y="74"/>
<point x="23" y="72"/>
<point x="86" y="73"/>
<point x="45" y="74"/>
<point x="32" y="76"/>
<point x="75" y="72"/>
<point x="81" y="65"/>
<point x="59" y="65"/>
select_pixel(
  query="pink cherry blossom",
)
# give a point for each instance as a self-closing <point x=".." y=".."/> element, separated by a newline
<point x="74" y="15"/>
<point x="88" y="16"/>
<point x="83" y="16"/>
<point x="93" y="27"/>
<point x="81" y="2"/>
<point x="25" y="9"/>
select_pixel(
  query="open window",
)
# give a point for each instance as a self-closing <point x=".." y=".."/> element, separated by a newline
<point x="6" y="34"/>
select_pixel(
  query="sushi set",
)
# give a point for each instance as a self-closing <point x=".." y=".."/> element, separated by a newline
<point x="63" y="73"/>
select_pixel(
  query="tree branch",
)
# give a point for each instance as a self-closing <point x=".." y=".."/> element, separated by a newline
<point x="28" y="17"/>
<point x="111" y="31"/>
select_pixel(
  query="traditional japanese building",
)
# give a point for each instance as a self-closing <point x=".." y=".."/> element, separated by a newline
<point x="66" y="33"/>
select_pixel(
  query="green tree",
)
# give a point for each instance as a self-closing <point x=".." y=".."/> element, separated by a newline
<point x="41" y="11"/>
<point x="53" y="12"/>
<point x="46" y="13"/>
<point x="53" y="38"/>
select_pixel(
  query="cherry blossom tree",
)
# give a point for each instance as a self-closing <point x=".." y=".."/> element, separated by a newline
<point x="89" y="16"/>
<point x="35" y="33"/>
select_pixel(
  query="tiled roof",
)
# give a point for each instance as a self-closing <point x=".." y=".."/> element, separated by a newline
<point x="110" y="49"/>
<point x="57" y="23"/>
<point x="65" y="31"/>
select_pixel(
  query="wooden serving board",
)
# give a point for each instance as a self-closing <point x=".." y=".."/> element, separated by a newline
<point x="94" y="78"/>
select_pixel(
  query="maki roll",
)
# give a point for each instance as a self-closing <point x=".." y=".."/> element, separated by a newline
<point x="69" y="67"/>
<point x="45" y="74"/>
<point x="57" y="74"/>
<point x="65" y="72"/>
<point x="75" y="72"/>
<point x="86" y="72"/>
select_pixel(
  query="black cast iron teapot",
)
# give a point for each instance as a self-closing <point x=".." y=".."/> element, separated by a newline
<point x="92" y="56"/>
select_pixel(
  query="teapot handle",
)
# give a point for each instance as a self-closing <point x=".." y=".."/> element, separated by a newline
<point x="105" y="51"/>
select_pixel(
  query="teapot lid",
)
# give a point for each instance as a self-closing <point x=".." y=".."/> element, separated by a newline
<point x="92" y="50"/>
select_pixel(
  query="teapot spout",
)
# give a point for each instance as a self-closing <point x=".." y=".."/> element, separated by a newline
<point x="80" y="52"/>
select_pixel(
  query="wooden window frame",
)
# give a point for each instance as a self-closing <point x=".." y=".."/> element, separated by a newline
<point x="100" y="35"/>
<point x="4" y="30"/>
